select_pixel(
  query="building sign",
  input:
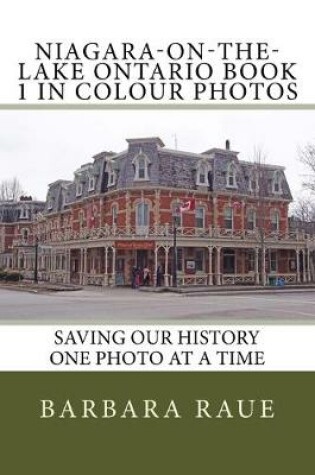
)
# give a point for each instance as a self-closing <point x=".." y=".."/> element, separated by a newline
<point x="134" y="245"/>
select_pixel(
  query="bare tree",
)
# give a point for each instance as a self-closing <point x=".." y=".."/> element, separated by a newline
<point x="10" y="190"/>
<point x="260" y="193"/>
<point x="304" y="210"/>
<point x="307" y="157"/>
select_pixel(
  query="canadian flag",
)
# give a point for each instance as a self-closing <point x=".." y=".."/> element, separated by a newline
<point x="189" y="205"/>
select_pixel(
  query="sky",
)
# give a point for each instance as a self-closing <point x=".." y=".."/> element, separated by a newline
<point x="39" y="147"/>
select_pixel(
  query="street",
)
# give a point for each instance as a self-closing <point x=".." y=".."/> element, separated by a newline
<point x="122" y="305"/>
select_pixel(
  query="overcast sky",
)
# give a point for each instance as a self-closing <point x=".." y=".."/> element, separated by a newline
<point x="39" y="147"/>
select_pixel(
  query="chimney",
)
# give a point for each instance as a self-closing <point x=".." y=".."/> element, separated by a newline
<point x="227" y="145"/>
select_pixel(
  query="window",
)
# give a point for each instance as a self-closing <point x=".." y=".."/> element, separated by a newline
<point x="253" y="181"/>
<point x="111" y="173"/>
<point x="114" y="214"/>
<point x="231" y="176"/>
<point x="79" y="189"/>
<point x="228" y="218"/>
<point x="274" y="221"/>
<point x="141" y="164"/>
<point x="143" y="214"/>
<point x="176" y="214"/>
<point x="273" y="261"/>
<point x="277" y="183"/>
<point x="251" y="219"/>
<point x="50" y="203"/>
<point x="91" y="183"/>
<point x="199" y="259"/>
<point x="202" y="174"/>
<point x="251" y="261"/>
<point x="24" y="213"/>
<point x="200" y="218"/>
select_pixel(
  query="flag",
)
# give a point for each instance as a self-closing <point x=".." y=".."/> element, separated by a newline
<point x="188" y="205"/>
<point x="237" y="204"/>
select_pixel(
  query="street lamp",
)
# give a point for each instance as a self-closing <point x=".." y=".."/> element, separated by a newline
<point x="175" y="257"/>
<point x="36" y="261"/>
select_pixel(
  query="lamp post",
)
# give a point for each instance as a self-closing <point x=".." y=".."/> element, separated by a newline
<point x="36" y="261"/>
<point x="175" y="257"/>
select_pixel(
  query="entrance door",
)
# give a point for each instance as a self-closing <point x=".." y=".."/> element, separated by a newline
<point x="142" y="259"/>
<point x="228" y="261"/>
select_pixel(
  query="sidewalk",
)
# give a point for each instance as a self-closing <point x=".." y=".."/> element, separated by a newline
<point x="231" y="289"/>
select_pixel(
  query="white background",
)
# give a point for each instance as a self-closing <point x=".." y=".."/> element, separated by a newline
<point x="286" y="25"/>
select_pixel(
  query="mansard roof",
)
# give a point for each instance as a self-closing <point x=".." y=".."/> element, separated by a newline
<point x="167" y="168"/>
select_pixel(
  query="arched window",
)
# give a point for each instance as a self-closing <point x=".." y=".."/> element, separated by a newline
<point x="251" y="219"/>
<point x="141" y="165"/>
<point x="231" y="176"/>
<point x="275" y="221"/>
<point x="228" y="217"/>
<point x="202" y="174"/>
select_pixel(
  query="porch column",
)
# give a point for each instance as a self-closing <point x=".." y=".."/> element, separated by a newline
<point x="114" y="267"/>
<point x="308" y="265"/>
<point x="105" y="266"/>
<point x="156" y="250"/>
<point x="263" y="259"/>
<point x="256" y="266"/>
<point x="298" y="274"/>
<point x="69" y="265"/>
<point x="81" y="266"/>
<point x="84" y="277"/>
<point x="218" y="266"/>
<point x="210" y="274"/>
<point x="166" y="276"/>
<point x="304" y="266"/>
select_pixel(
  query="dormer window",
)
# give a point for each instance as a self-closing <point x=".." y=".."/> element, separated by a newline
<point x="231" y="176"/>
<point x="253" y="182"/>
<point x="141" y="163"/>
<point x="111" y="173"/>
<point x="202" y="174"/>
<point x="91" y="183"/>
<point x="24" y="213"/>
<point x="79" y="189"/>
<point x="277" y="183"/>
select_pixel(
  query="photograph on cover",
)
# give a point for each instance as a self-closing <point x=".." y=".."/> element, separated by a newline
<point x="156" y="216"/>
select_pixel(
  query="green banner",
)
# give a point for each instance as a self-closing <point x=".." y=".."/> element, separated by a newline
<point x="147" y="423"/>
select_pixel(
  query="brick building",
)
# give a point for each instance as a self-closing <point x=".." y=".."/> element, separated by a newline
<point x="16" y="228"/>
<point x="118" y="212"/>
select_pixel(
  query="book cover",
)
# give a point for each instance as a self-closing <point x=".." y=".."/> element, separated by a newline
<point x="156" y="238"/>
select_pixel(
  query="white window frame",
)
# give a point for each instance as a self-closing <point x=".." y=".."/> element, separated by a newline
<point x="254" y="220"/>
<point x="202" y="209"/>
<point x="275" y="222"/>
<point x="111" y="174"/>
<point x="202" y="170"/>
<point x="91" y="183"/>
<point x="146" y="162"/>
<point x="230" y="208"/>
<point x="231" y="174"/>
<point x="78" y="189"/>
<point x="277" y="182"/>
<point x="142" y="217"/>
